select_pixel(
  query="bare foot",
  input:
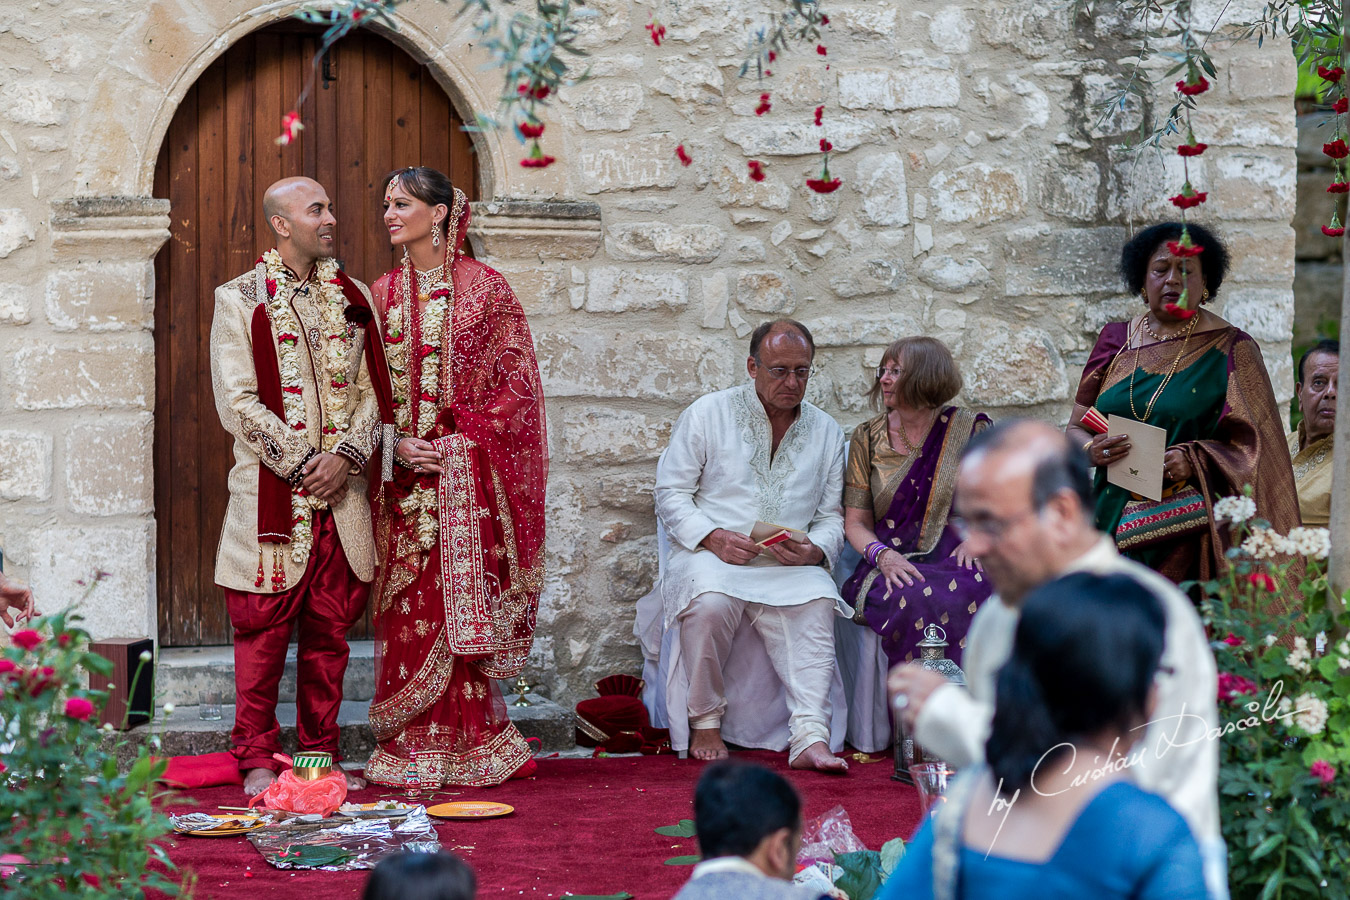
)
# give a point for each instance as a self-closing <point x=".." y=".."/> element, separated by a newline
<point x="818" y="757"/>
<point x="257" y="781"/>
<point x="706" y="744"/>
<point x="354" y="782"/>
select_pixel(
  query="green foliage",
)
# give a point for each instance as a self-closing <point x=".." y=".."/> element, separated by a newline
<point x="862" y="874"/>
<point x="85" y="830"/>
<point x="891" y="853"/>
<point x="685" y="829"/>
<point x="1287" y="830"/>
<point x="683" y="861"/>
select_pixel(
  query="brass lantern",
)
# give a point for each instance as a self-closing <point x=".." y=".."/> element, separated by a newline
<point x="931" y="657"/>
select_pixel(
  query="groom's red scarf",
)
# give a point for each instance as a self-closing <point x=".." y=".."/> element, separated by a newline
<point x="274" y="493"/>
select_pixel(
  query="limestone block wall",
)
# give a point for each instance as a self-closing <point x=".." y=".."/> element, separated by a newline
<point x="983" y="203"/>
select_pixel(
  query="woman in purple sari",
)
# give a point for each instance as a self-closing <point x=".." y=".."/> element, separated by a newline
<point x="902" y="465"/>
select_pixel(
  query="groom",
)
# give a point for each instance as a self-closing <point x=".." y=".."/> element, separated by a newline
<point x="292" y="387"/>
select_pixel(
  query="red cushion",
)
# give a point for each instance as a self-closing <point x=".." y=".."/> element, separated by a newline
<point x="611" y="715"/>
<point x="207" y="770"/>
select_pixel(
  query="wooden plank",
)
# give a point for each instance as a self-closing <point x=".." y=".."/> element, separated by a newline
<point x="269" y="104"/>
<point x="379" y="74"/>
<point x="353" y="203"/>
<point x="405" y="96"/>
<point x="163" y="437"/>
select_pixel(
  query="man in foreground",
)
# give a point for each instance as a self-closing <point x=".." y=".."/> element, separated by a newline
<point x="754" y="453"/>
<point x="749" y="823"/>
<point x="1311" y="444"/>
<point x="293" y="391"/>
<point x="1024" y="500"/>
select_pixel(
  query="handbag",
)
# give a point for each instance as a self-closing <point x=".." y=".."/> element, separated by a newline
<point x="1180" y="513"/>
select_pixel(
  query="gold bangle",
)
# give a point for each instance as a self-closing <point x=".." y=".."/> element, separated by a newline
<point x="1087" y="448"/>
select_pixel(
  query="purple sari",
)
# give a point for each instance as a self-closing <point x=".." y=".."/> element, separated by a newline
<point x="911" y="505"/>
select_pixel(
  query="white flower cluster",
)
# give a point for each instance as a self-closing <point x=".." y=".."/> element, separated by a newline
<point x="1300" y="659"/>
<point x="1264" y="543"/>
<point x="1311" y="542"/>
<point x="1312" y="714"/>
<point x="1343" y="655"/>
<point x="1235" y="509"/>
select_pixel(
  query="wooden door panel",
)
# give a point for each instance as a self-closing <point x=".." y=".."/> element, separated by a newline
<point x="378" y="110"/>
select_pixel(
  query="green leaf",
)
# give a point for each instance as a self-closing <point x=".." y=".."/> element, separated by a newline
<point x="684" y="829"/>
<point x="1266" y="846"/>
<point x="1308" y="862"/>
<point x="312" y="857"/>
<point x="683" y="860"/>
<point x="891" y="853"/>
<point x="861" y="878"/>
<point x="1272" y="884"/>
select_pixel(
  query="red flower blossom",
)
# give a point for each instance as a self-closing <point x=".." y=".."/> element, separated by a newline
<point x="823" y="186"/>
<point x="27" y="639"/>
<point x="330" y="428"/>
<point x="820" y="113"/>
<point x="271" y="287"/>
<point x="425" y="350"/>
<point x="820" y="48"/>
<point x="287" y="338"/>
<point x="1186" y="201"/>
<point x="764" y="105"/>
<point x="299" y="426"/>
<point x="1177" y="248"/>
<point x="1338" y="187"/>
<point x="537" y="158"/>
<point x="292" y="389"/>
<point x="93" y="880"/>
<point x="824" y="20"/>
<point x="1191" y="88"/>
<point x="290" y="127"/>
<point x="756" y="170"/>
<point x="3" y="768"/>
<point x="657" y="31"/>
<point x="428" y="397"/>
<point x="7" y="666"/>
<point x="63" y="640"/>
<point x="532" y="130"/>
<point x="1323" y="771"/>
<point x="1337" y="149"/>
<point x="1233" y="640"/>
<point x="1341" y="106"/>
<point x="1233" y="686"/>
<point x="79" y="708"/>
<point x="1332" y="75"/>
<point x="825" y="146"/>
<point x="772" y="56"/>
<point x="1192" y="149"/>
<point x="685" y="158"/>
<point x="541" y="92"/>
<point x="1262" y="580"/>
<point x="1332" y="232"/>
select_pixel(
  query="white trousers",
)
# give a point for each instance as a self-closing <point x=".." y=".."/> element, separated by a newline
<point x="800" y="644"/>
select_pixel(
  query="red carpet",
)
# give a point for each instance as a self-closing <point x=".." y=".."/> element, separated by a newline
<point x="580" y="826"/>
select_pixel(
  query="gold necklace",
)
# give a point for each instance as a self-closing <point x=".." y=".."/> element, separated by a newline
<point x="910" y="448"/>
<point x="1148" y="410"/>
<point x="1158" y="337"/>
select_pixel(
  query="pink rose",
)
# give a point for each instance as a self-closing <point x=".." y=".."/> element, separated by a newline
<point x="79" y="708"/>
<point x="1323" y="771"/>
<point x="27" y="639"/>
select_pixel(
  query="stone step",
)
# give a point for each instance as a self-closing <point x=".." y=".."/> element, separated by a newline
<point x="184" y="733"/>
<point x="185" y="672"/>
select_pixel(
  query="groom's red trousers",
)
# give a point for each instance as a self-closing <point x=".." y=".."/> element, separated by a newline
<point x="325" y="603"/>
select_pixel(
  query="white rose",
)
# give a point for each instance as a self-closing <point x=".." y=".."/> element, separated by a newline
<point x="1312" y="714"/>
<point x="1234" y="509"/>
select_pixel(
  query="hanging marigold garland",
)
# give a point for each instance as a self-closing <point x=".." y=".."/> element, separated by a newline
<point x="332" y="383"/>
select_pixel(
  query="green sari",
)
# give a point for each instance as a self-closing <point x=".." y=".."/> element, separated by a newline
<point x="1218" y="409"/>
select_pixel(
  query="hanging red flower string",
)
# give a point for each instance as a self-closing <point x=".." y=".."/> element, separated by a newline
<point x="764" y="104"/>
<point x="1331" y="75"/>
<point x="1337" y="148"/>
<point x="290" y="127"/>
<point x="824" y="184"/>
<point x="531" y="129"/>
<point x="1192" y="85"/>
<point x="657" y="31"/>
<point x="537" y="158"/>
<point x="684" y="157"/>
<point x="820" y="114"/>
<point x="756" y="170"/>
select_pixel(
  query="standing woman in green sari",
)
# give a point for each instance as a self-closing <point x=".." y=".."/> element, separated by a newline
<point x="1188" y="371"/>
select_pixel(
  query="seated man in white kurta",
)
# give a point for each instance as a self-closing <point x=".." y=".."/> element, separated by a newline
<point x="756" y="452"/>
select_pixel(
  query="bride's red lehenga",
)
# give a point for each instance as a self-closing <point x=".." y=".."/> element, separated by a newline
<point x="457" y="591"/>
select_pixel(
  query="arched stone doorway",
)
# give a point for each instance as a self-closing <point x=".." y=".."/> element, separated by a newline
<point x="372" y="108"/>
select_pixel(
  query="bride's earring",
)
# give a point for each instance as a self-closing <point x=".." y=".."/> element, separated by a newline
<point x="435" y="235"/>
<point x="405" y="252"/>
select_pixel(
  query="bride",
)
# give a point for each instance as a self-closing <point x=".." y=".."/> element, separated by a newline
<point x="459" y="511"/>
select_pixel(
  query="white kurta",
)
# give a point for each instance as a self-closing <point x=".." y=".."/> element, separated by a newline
<point x="720" y="472"/>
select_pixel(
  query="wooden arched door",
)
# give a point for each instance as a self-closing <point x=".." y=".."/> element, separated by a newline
<point x="372" y="108"/>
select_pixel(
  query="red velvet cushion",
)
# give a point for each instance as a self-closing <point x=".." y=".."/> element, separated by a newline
<point x="611" y="715"/>
<point x="207" y="770"/>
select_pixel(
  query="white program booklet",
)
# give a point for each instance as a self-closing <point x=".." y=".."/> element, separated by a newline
<point x="1141" y="470"/>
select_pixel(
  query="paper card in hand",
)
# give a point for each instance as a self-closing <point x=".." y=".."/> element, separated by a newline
<point x="766" y="534"/>
<point x="1141" y="470"/>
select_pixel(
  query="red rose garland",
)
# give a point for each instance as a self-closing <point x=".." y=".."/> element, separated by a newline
<point x="1336" y="149"/>
<point x="1193" y="85"/>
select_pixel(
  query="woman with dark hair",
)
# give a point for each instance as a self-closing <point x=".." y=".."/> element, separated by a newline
<point x="1055" y="813"/>
<point x="1180" y="367"/>
<point x="421" y="876"/>
<point x="459" y="509"/>
<point x="914" y="570"/>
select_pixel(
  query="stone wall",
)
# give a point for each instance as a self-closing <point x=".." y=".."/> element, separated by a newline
<point x="983" y="203"/>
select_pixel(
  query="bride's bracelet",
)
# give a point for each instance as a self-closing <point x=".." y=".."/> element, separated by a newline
<point x="873" y="552"/>
<point x="398" y="459"/>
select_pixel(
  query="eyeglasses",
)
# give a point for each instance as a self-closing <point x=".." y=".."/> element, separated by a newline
<point x="894" y="372"/>
<point x="778" y="373"/>
<point x="989" y="526"/>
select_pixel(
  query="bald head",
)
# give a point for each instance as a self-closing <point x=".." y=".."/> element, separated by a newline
<point x="300" y="216"/>
<point x="1025" y="495"/>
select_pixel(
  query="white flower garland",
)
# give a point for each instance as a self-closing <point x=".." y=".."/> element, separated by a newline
<point x="333" y="394"/>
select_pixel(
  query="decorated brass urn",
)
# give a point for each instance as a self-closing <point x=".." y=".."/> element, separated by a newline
<point x="907" y="750"/>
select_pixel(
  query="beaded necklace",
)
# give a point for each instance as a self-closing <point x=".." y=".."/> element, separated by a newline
<point x="1148" y="409"/>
